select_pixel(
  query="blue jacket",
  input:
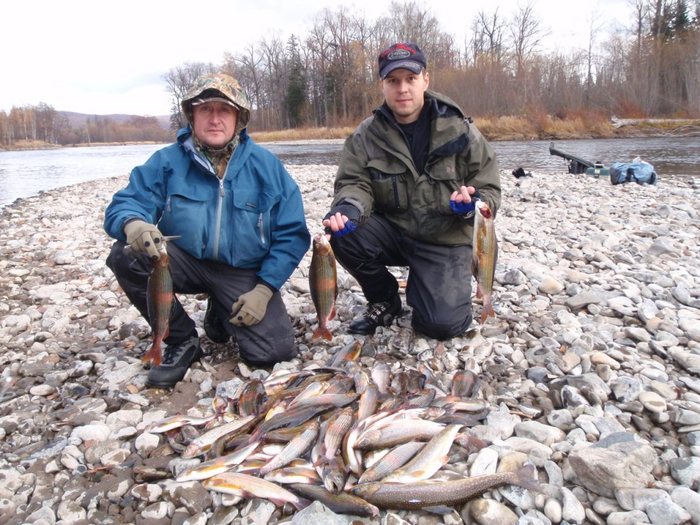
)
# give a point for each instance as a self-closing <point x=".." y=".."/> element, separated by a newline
<point x="251" y="218"/>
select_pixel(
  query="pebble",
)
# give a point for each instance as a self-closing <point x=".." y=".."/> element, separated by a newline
<point x="590" y="368"/>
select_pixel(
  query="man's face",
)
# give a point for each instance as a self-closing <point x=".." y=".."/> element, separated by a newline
<point x="403" y="91"/>
<point x="214" y="123"/>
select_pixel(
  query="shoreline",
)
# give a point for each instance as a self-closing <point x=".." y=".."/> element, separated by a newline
<point x="495" y="129"/>
<point x="596" y="341"/>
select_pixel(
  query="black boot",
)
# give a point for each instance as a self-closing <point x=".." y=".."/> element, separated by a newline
<point x="377" y="314"/>
<point x="176" y="360"/>
<point x="213" y="326"/>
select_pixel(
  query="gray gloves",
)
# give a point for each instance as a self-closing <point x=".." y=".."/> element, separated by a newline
<point x="251" y="306"/>
<point x="143" y="237"/>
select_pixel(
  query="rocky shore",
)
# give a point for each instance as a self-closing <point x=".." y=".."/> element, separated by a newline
<point x="591" y="368"/>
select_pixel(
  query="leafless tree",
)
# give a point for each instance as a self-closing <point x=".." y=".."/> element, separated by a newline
<point x="526" y="34"/>
<point x="179" y="79"/>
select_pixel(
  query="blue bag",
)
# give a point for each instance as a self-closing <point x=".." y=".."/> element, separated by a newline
<point x="638" y="171"/>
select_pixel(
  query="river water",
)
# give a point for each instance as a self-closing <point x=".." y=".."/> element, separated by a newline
<point x="26" y="173"/>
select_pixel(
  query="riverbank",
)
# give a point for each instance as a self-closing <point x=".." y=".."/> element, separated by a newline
<point x="542" y="127"/>
<point x="591" y="368"/>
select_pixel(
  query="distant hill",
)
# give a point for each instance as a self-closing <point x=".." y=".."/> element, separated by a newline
<point x="77" y="120"/>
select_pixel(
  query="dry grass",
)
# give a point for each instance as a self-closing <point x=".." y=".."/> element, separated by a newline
<point x="301" y="134"/>
<point x="543" y="127"/>
<point x="530" y="127"/>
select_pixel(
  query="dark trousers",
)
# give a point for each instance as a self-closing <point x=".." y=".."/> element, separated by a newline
<point x="268" y="342"/>
<point x="439" y="280"/>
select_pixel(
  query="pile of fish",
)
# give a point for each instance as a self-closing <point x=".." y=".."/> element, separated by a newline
<point x="355" y="439"/>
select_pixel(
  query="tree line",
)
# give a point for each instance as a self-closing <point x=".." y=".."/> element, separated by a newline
<point x="328" y="76"/>
<point x="43" y="124"/>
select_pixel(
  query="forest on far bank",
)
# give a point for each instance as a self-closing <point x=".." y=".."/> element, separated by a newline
<point x="327" y="77"/>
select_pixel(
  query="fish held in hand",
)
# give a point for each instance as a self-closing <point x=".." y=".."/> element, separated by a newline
<point x="323" y="282"/>
<point x="484" y="257"/>
<point x="160" y="298"/>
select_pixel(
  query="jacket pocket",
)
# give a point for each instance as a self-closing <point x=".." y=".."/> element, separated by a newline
<point x="390" y="192"/>
<point x="251" y="219"/>
<point x="185" y="217"/>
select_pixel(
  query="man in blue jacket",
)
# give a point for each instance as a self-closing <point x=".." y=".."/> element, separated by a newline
<point x="237" y="221"/>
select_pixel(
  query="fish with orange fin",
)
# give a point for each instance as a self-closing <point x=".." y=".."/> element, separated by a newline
<point x="484" y="256"/>
<point x="160" y="298"/>
<point x="323" y="282"/>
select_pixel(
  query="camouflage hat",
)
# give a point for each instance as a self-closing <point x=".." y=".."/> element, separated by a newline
<point x="221" y="87"/>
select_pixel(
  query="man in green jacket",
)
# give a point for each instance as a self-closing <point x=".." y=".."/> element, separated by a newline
<point x="404" y="196"/>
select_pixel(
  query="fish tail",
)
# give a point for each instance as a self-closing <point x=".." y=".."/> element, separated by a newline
<point x="323" y="332"/>
<point x="154" y="354"/>
<point x="487" y="309"/>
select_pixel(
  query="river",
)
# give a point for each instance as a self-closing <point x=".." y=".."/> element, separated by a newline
<point x="26" y="173"/>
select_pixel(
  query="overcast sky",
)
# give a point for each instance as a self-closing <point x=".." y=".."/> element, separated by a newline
<point x="110" y="57"/>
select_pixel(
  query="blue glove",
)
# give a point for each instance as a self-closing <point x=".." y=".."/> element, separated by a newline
<point x="351" y="212"/>
<point x="465" y="209"/>
<point x="350" y="227"/>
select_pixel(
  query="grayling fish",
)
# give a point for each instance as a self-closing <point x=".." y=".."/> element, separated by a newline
<point x="294" y="449"/>
<point x="429" y="460"/>
<point x="246" y="486"/>
<point x="218" y="465"/>
<point x="396" y="458"/>
<point x="424" y="494"/>
<point x="343" y="502"/>
<point x="398" y="432"/>
<point x="203" y="443"/>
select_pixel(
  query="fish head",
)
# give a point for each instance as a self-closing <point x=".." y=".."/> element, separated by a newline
<point x="483" y="208"/>
<point x="321" y="244"/>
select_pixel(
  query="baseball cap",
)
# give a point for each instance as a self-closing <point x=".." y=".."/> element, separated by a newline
<point x="402" y="55"/>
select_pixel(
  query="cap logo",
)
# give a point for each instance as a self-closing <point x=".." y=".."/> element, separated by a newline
<point x="398" y="54"/>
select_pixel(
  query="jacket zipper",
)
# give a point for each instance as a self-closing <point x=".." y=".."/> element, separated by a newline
<point x="219" y="214"/>
<point x="220" y="211"/>
<point x="261" y="229"/>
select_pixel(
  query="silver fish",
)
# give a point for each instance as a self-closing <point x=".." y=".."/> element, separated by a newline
<point x="429" y="460"/>
<point x="246" y="486"/>
<point x="398" y="432"/>
<point x="217" y="465"/>
<point x="424" y="494"/>
<point x="396" y="458"/>
<point x="203" y="443"/>
<point x="173" y="422"/>
<point x="341" y="503"/>
<point x="337" y="428"/>
<point x="294" y="449"/>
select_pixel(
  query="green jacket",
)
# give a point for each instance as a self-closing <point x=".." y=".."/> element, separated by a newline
<point x="377" y="173"/>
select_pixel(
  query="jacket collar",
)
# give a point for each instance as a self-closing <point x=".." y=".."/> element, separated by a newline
<point x="186" y="140"/>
